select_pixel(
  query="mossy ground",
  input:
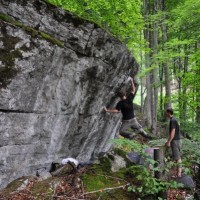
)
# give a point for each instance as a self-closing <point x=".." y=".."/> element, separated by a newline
<point x="99" y="178"/>
<point x="95" y="179"/>
<point x="11" y="187"/>
<point x="41" y="190"/>
<point x="44" y="189"/>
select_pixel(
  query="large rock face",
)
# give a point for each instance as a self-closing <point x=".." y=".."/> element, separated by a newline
<point x="56" y="73"/>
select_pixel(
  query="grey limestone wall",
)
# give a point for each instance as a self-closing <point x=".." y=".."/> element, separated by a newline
<point x="52" y="94"/>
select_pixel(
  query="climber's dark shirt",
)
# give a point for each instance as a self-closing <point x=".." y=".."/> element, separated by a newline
<point x="126" y="107"/>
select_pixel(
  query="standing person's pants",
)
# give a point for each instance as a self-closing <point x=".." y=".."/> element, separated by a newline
<point x="175" y="147"/>
<point x="134" y="125"/>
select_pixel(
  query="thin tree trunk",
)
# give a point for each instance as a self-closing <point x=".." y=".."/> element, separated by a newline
<point x="198" y="100"/>
<point x="161" y="90"/>
<point x="185" y="87"/>
<point x="141" y="79"/>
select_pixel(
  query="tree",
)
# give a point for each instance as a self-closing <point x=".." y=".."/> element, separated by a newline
<point x="184" y="38"/>
<point x="167" y="102"/>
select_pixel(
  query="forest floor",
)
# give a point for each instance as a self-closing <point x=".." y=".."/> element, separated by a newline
<point x="94" y="182"/>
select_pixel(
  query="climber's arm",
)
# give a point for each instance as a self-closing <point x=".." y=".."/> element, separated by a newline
<point x="132" y="86"/>
<point x="111" y="110"/>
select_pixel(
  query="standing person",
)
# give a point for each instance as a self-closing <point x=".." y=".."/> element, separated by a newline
<point x="125" y="106"/>
<point x="174" y="140"/>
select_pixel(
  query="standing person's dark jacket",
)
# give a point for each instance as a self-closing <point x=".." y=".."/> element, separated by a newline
<point x="174" y="124"/>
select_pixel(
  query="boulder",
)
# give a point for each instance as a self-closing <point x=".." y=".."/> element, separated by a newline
<point x="186" y="180"/>
<point x="117" y="163"/>
<point x="57" y="71"/>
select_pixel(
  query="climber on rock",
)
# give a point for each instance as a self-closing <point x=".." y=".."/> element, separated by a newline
<point x="125" y="106"/>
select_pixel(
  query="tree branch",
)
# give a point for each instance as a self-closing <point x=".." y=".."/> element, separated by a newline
<point x="105" y="189"/>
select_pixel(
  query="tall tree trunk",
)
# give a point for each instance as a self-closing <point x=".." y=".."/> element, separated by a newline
<point x="148" y="93"/>
<point x="179" y="80"/>
<point x="155" y="71"/>
<point x="146" y="8"/>
<point x="167" y="102"/>
<point x="198" y="90"/>
<point x="151" y="36"/>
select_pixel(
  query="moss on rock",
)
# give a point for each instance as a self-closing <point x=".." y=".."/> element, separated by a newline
<point x="32" y="31"/>
<point x="4" y="17"/>
<point x="8" y="54"/>
<point x="51" y="39"/>
<point x="6" y="74"/>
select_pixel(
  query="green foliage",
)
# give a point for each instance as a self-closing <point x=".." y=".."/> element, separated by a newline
<point x="144" y="182"/>
<point x="182" y="55"/>
<point x="191" y="129"/>
<point x="105" y="162"/>
<point x="190" y="151"/>
<point x="120" y="17"/>
<point x="185" y="19"/>
<point x="129" y="145"/>
<point x="157" y="143"/>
